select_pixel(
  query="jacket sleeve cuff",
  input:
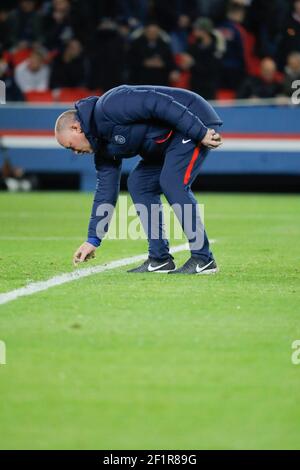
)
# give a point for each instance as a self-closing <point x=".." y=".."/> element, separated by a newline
<point x="94" y="241"/>
<point x="203" y="133"/>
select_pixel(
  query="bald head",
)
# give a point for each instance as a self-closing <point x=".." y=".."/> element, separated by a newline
<point x="65" y="120"/>
<point x="69" y="134"/>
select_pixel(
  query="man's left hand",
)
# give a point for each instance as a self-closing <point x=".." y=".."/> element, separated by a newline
<point x="212" y="139"/>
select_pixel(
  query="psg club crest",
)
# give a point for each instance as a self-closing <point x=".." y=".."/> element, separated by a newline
<point x="120" y="139"/>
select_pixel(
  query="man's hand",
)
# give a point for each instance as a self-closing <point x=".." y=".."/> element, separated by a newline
<point x="212" y="139"/>
<point x="85" y="252"/>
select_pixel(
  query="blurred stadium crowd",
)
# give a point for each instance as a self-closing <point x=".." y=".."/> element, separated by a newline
<point x="62" y="50"/>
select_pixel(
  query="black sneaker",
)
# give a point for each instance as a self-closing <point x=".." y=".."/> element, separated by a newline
<point x="152" y="265"/>
<point x="196" y="265"/>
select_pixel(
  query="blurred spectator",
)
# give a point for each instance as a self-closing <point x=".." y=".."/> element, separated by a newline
<point x="19" y="53"/>
<point x="6" y="39"/>
<point x="107" y="55"/>
<point x="150" y="57"/>
<point x="203" y="58"/>
<point x="179" y="37"/>
<point x="233" y="62"/>
<point x="292" y="73"/>
<point x="291" y="35"/>
<point x="33" y="74"/>
<point x="214" y="9"/>
<point x="57" y="25"/>
<point x="6" y="75"/>
<point x="265" y="19"/>
<point x="14" y="178"/>
<point x="107" y="9"/>
<point x="267" y="85"/>
<point x="168" y="13"/>
<point x="65" y="21"/>
<point x="133" y="9"/>
<point x="25" y="22"/>
<point x="124" y="27"/>
<point x="70" y="68"/>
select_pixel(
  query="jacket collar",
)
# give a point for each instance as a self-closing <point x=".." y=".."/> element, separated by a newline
<point x="85" y="113"/>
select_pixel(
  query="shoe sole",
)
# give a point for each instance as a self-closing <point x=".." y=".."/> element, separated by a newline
<point x="162" y="271"/>
<point x="209" y="271"/>
<point x="159" y="271"/>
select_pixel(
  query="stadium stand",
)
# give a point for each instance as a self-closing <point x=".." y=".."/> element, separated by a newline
<point x="223" y="49"/>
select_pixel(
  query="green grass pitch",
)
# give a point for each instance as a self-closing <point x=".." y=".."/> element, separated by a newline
<point x="118" y="361"/>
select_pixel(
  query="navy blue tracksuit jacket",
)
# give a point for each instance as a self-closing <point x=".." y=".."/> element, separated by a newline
<point x="164" y="126"/>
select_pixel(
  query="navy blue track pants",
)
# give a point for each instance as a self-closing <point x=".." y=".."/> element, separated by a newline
<point x="171" y="176"/>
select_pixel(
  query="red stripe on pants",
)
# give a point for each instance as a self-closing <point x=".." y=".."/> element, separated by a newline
<point x="190" y="167"/>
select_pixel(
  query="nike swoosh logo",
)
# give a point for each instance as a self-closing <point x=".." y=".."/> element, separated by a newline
<point x="186" y="141"/>
<point x="155" y="268"/>
<point x="199" y="270"/>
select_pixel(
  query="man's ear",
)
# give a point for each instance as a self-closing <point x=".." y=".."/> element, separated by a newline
<point x="76" y="127"/>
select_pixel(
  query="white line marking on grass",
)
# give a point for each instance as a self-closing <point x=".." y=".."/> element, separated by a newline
<point x="37" y="239"/>
<point x="39" y="286"/>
